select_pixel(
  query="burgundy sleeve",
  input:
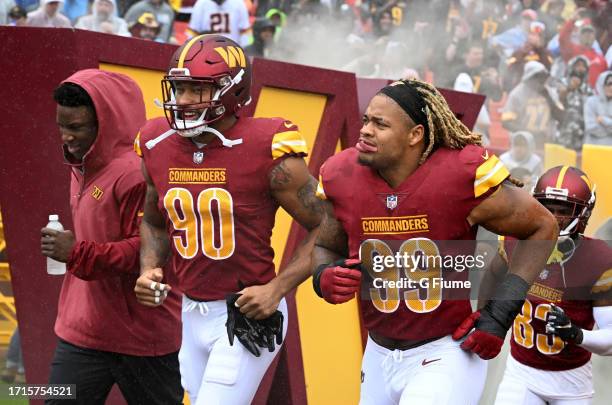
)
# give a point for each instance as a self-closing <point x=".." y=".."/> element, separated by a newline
<point x="93" y="260"/>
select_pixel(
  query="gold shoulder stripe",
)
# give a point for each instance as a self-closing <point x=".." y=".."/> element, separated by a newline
<point x="320" y="192"/>
<point x="604" y="283"/>
<point x="288" y="142"/>
<point x="489" y="174"/>
<point x="137" y="145"/>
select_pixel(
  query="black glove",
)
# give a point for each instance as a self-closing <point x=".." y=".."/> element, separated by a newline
<point x="251" y="333"/>
<point x="559" y="324"/>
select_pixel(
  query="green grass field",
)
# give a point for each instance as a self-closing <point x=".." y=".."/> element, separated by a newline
<point x="6" y="400"/>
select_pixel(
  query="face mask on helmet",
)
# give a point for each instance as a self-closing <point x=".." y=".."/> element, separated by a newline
<point x="568" y="195"/>
<point x="191" y="103"/>
<point x="565" y="213"/>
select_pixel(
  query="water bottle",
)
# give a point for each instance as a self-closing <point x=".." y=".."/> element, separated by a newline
<point x="53" y="266"/>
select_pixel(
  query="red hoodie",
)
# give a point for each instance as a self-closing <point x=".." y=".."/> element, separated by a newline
<point x="597" y="62"/>
<point x="97" y="306"/>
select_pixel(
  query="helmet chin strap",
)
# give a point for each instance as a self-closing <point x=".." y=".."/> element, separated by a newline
<point x="567" y="231"/>
<point x="226" y="142"/>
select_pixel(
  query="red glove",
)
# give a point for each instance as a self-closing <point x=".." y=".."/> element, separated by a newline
<point x="339" y="281"/>
<point x="484" y="344"/>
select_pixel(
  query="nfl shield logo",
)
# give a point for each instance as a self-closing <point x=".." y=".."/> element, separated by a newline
<point x="198" y="157"/>
<point x="544" y="274"/>
<point x="391" y="201"/>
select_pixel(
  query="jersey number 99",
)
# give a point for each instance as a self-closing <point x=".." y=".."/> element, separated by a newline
<point x="412" y="297"/>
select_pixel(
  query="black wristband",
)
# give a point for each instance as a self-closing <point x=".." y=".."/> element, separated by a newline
<point x="498" y="314"/>
<point x="316" y="279"/>
<point x="579" y="336"/>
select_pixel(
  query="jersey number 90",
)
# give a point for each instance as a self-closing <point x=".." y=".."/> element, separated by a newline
<point x="202" y="225"/>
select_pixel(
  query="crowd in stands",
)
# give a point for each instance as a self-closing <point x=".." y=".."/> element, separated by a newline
<point x="543" y="65"/>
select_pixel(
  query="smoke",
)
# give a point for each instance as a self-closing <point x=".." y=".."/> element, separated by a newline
<point x="331" y="42"/>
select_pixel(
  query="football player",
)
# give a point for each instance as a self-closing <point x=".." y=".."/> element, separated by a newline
<point x="552" y="337"/>
<point x="215" y="182"/>
<point x="418" y="176"/>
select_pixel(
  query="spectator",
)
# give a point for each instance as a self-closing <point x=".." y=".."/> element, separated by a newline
<point x="73" y="9"/>
<point x="510" y="40"/>
<point x="464" y="83"/>
<point x="573" y="92"/>
<point x="103" y="19"/>
<point x="105" y="336"/>
<point x="598" y="112"/>
<point x="146" y="27"/>
<point x="5" y="8"/>
<point x="18" y="17"/>
<point x="279" y="19"/>
<point x="524" y="176"/>
<point x="160" y="9"/>
<point x="14" y="371"/>
<point x="226" y="17"/>
<point x="472" y="65"/>
<point x="522" y="154"/>
<point x="531" y="107"/>
<point x="485" y="18"/>
<point x="586" y="38"/>
<point x="552" y="18"/>
<point x="28" y="5"/>
<point x="263" y="37"/>
<point x="47" y="15"/>
<point x="534" y="49"/>
<point x="603" y="25"/>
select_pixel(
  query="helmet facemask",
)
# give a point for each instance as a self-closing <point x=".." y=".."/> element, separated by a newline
<point x="572" y="214"/>
<point x="192" y="119"/>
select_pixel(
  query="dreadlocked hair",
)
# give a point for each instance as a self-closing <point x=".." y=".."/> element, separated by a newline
<point x="444" y="128"/>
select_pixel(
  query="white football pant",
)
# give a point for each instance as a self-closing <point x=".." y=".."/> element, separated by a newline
<point x="524" y="385"/>
<point x="436" y="373"/>
<point x="212" y="371"/>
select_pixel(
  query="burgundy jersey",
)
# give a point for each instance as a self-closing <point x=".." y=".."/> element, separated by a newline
<point x="573" y="285"/>
<point x="217" y="202"/>
<point x="431" y="205"/>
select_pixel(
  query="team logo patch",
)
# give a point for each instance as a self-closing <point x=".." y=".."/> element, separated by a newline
<point x="97" y="192"/>
<point x="544" y="274"/>
<point x="392" y="201"/>
<point x="198" y="157"/>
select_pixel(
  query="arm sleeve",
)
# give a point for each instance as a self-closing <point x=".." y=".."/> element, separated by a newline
<point x="599" y="341"/>
<point x="565" y="42"/>
<point x="590" y="114"/>
<point x="93" y="260"/>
